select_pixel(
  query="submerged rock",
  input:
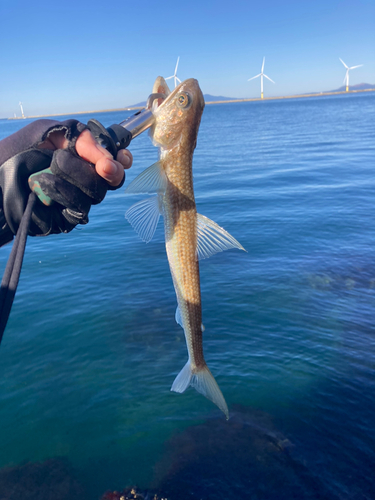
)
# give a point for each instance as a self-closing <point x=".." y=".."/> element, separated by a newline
<point x="130" y="494"/>
<point x="244" y="457"/>
<point x="53" y="479"/>
<point x="341" y="276"/>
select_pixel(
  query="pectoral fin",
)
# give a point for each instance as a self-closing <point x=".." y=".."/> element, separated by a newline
<point x="151" y="180"/>
<point x="144" y="217"/>
<point x="212" y="238"/>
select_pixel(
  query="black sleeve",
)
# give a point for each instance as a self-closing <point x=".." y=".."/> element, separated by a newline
<point x="35" y="133"/>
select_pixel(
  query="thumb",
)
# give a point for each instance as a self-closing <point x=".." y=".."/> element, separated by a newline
<point x="88" y="149"/>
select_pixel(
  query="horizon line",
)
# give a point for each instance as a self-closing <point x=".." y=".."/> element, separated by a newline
<point x="250" y="99"/>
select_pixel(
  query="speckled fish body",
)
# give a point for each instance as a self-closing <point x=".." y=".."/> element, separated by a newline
<point x="188" y="235"/>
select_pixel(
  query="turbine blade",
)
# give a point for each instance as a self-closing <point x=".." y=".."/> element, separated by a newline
<point x="263" y="64"/>
<point x="169" y="77"/>
<point x="269" y="78"/>
<point x="178" y="59"/>
<point x="353" y="67"/>
<point x="178" y="79"/>
<point x="343" y="62"/>
<point x="254" y="77"/>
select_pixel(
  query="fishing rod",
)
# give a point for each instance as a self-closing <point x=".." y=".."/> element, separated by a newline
<point x="113" y="138"/>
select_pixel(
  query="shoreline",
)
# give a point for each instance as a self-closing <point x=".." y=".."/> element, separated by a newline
<point x="298" y="96"/>
<point x="252" y="99"/>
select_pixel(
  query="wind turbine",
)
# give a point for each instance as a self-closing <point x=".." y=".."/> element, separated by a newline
<point x="261" y="74"/>
<point x="20" y="103"/>
<point x="175" y="74"/>
<point x="347" y="73"/>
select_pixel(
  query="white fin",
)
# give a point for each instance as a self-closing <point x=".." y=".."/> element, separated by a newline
<point x="178" y="317"/>
<point x="151" y="180"/>
<point x="204" y="382"/>
<point x="212" y="238"/>
<point x="183" y="379"/>
<point x="144" y="217"/>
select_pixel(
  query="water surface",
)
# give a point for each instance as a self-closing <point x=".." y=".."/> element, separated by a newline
<point x="92" y="347"/>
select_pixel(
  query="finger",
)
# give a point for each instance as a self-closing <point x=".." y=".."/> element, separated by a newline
<point x="125" y="158"/>
<point x="55" y="140"/>
<point x="89" y="149"/>
<point x="112" y="171"/>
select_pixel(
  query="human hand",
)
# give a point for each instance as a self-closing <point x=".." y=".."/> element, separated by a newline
<point x="87" y="148"/>
<point x="60" y="157"/>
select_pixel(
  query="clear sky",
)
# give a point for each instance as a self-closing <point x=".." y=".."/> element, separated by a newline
<point x="80" y="55"/>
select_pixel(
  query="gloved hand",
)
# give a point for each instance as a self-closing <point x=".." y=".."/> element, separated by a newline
<point x="73" y="184"/>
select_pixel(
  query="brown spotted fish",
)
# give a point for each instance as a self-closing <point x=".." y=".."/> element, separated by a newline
<point x="189" y="236"/>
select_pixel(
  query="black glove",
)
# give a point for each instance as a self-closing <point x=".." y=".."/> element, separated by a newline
<point x="72" y="184"/>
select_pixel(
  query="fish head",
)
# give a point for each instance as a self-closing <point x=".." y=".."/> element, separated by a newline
<point x="178" y="117"/>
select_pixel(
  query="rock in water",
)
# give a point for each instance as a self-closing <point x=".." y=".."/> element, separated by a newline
<point x="53" y="479"/>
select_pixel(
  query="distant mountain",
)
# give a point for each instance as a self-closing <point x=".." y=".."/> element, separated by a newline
<point x="138" y="105"/>
<point x="213" y="98"/>
<point x="207" y="98"/>
<point x="210" y="98"/>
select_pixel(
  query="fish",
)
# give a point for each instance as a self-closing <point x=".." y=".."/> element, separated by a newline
<point x="189" y="236"/>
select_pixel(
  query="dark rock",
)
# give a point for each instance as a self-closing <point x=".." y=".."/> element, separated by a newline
<point x="129" y="494"/>
<point x="245" y="457"/>
<point x="53" y="479"/>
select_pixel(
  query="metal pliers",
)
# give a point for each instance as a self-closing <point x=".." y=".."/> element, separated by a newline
<point x="113" y="138"/>
<point x="119" y="136"/>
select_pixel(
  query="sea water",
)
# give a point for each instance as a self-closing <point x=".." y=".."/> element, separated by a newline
<point x="92" y="348"/>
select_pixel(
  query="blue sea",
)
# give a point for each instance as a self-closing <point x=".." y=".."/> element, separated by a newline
<point x="92" y="347"/>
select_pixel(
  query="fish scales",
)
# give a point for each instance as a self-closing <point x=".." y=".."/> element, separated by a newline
<point x="188" y="235"/>
<point x="181" y="237"/>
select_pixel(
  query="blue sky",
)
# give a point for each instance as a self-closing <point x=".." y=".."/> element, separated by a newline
<point x="61" y="57"/>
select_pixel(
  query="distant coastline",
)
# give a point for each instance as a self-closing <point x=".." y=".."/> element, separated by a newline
<point x="298" y="96"/>
<point x="229" y="101"/>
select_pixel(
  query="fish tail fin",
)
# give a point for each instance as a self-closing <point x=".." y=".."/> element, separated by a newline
<point x="204" y="382"/>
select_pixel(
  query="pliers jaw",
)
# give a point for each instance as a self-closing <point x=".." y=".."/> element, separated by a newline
<point x="119" y="136"/>
<point x="143" y="119"/>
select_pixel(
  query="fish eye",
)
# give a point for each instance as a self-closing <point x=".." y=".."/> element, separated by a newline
<point x="183" y="100"/>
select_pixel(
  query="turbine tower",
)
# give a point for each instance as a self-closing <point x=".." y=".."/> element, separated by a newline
<point x="175" y="74"/>
<point x="20" y="103"/>
<point x="347" y="73"/>
<point x="261" y="74"/>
